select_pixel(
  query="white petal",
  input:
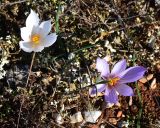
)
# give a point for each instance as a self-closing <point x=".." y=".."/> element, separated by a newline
<point x="35" y="30"/>
<point x="32" y="19"/>
<point x="26" y="46"/>
<point x="49" y="40"/>
<point x="45" y="28"/>
<point x="38" y="48"/>
<point x="25" y="33"/>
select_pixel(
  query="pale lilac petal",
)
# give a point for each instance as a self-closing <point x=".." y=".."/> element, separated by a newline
<point x="107" y="90"/>
<point x="49" y="40"/>
<point x="119" y="67"/>
<point x="25" y="33"/>
<point x="45" y="28"/>
<point x="97" y="88"/>
<point x="32" y="19"/>
<point x="26" y="46"/>
<point x="124" y="90"/>
<point x="131" y="74"/>
<point x="112" y="97"/>
<point x="103" y="67"/>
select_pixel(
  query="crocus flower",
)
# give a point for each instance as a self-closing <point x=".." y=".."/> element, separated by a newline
<point x="35" y="34"/>
<point x="116" y="80"/>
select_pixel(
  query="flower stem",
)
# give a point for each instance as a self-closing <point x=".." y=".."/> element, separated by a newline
<point x="138" y="124"/>
<point x="57" y="18"/>
<point x="140" y="109"/>
<point x="30" y="69"/>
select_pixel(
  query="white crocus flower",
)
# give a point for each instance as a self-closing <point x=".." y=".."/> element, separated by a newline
<point x="35" y="35"/>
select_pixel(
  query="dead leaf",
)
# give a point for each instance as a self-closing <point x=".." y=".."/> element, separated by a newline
<point x="109" y="105"/>
<point x="113" y="121"/>
<point x="107" y="58"/>
<point x="72" y="87"/>
<point x="149" y="77"/>
<point x="77" y="117"/>
<point x="117" y="40"/>
<point x="38" y="73"/>
<point x="153" y="84"/>
<point x="130" y="101"/>
<point x="59" y="119"/>
<point x="119" y="114"/>
<point x="94" y="126"/>
<point x="118" y="104"/>
<point x="158" y="67"/>
<point x="140" y="84"/>
<point x="92" y="116"/>
<point x="104" y="34"/>
<point x="145" y="79"/>
<point x="47" y="80"/>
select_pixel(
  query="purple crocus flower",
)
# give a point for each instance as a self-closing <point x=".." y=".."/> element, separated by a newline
<point x="116" y="79"/>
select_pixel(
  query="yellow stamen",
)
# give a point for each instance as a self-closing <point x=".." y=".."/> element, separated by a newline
<point x="113" y="81"/>
<point x="35" y="39"/>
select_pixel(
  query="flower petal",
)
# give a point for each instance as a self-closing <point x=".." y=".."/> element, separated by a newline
<point x="45" y="28"/>
<point x="97" y="88"/>
<point x="32" y="19"/>
<point x="38" y="48"/>
<point x="107" y="90"/>
<point x="131" y="74"/>
<point x="119" y="67"/>
<point x="103" y="67"/>
<point x="49" y="40"/>
<point x="36" y="30"/>
<point x="26" y="46"/>
<point x="112" y="97"/>
<point x="124" y="90"/>
<point x="25" y="33"/>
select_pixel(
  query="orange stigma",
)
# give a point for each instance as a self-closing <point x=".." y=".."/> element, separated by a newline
<point x="112" y="81"/>
<point x="35" y="39"/>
